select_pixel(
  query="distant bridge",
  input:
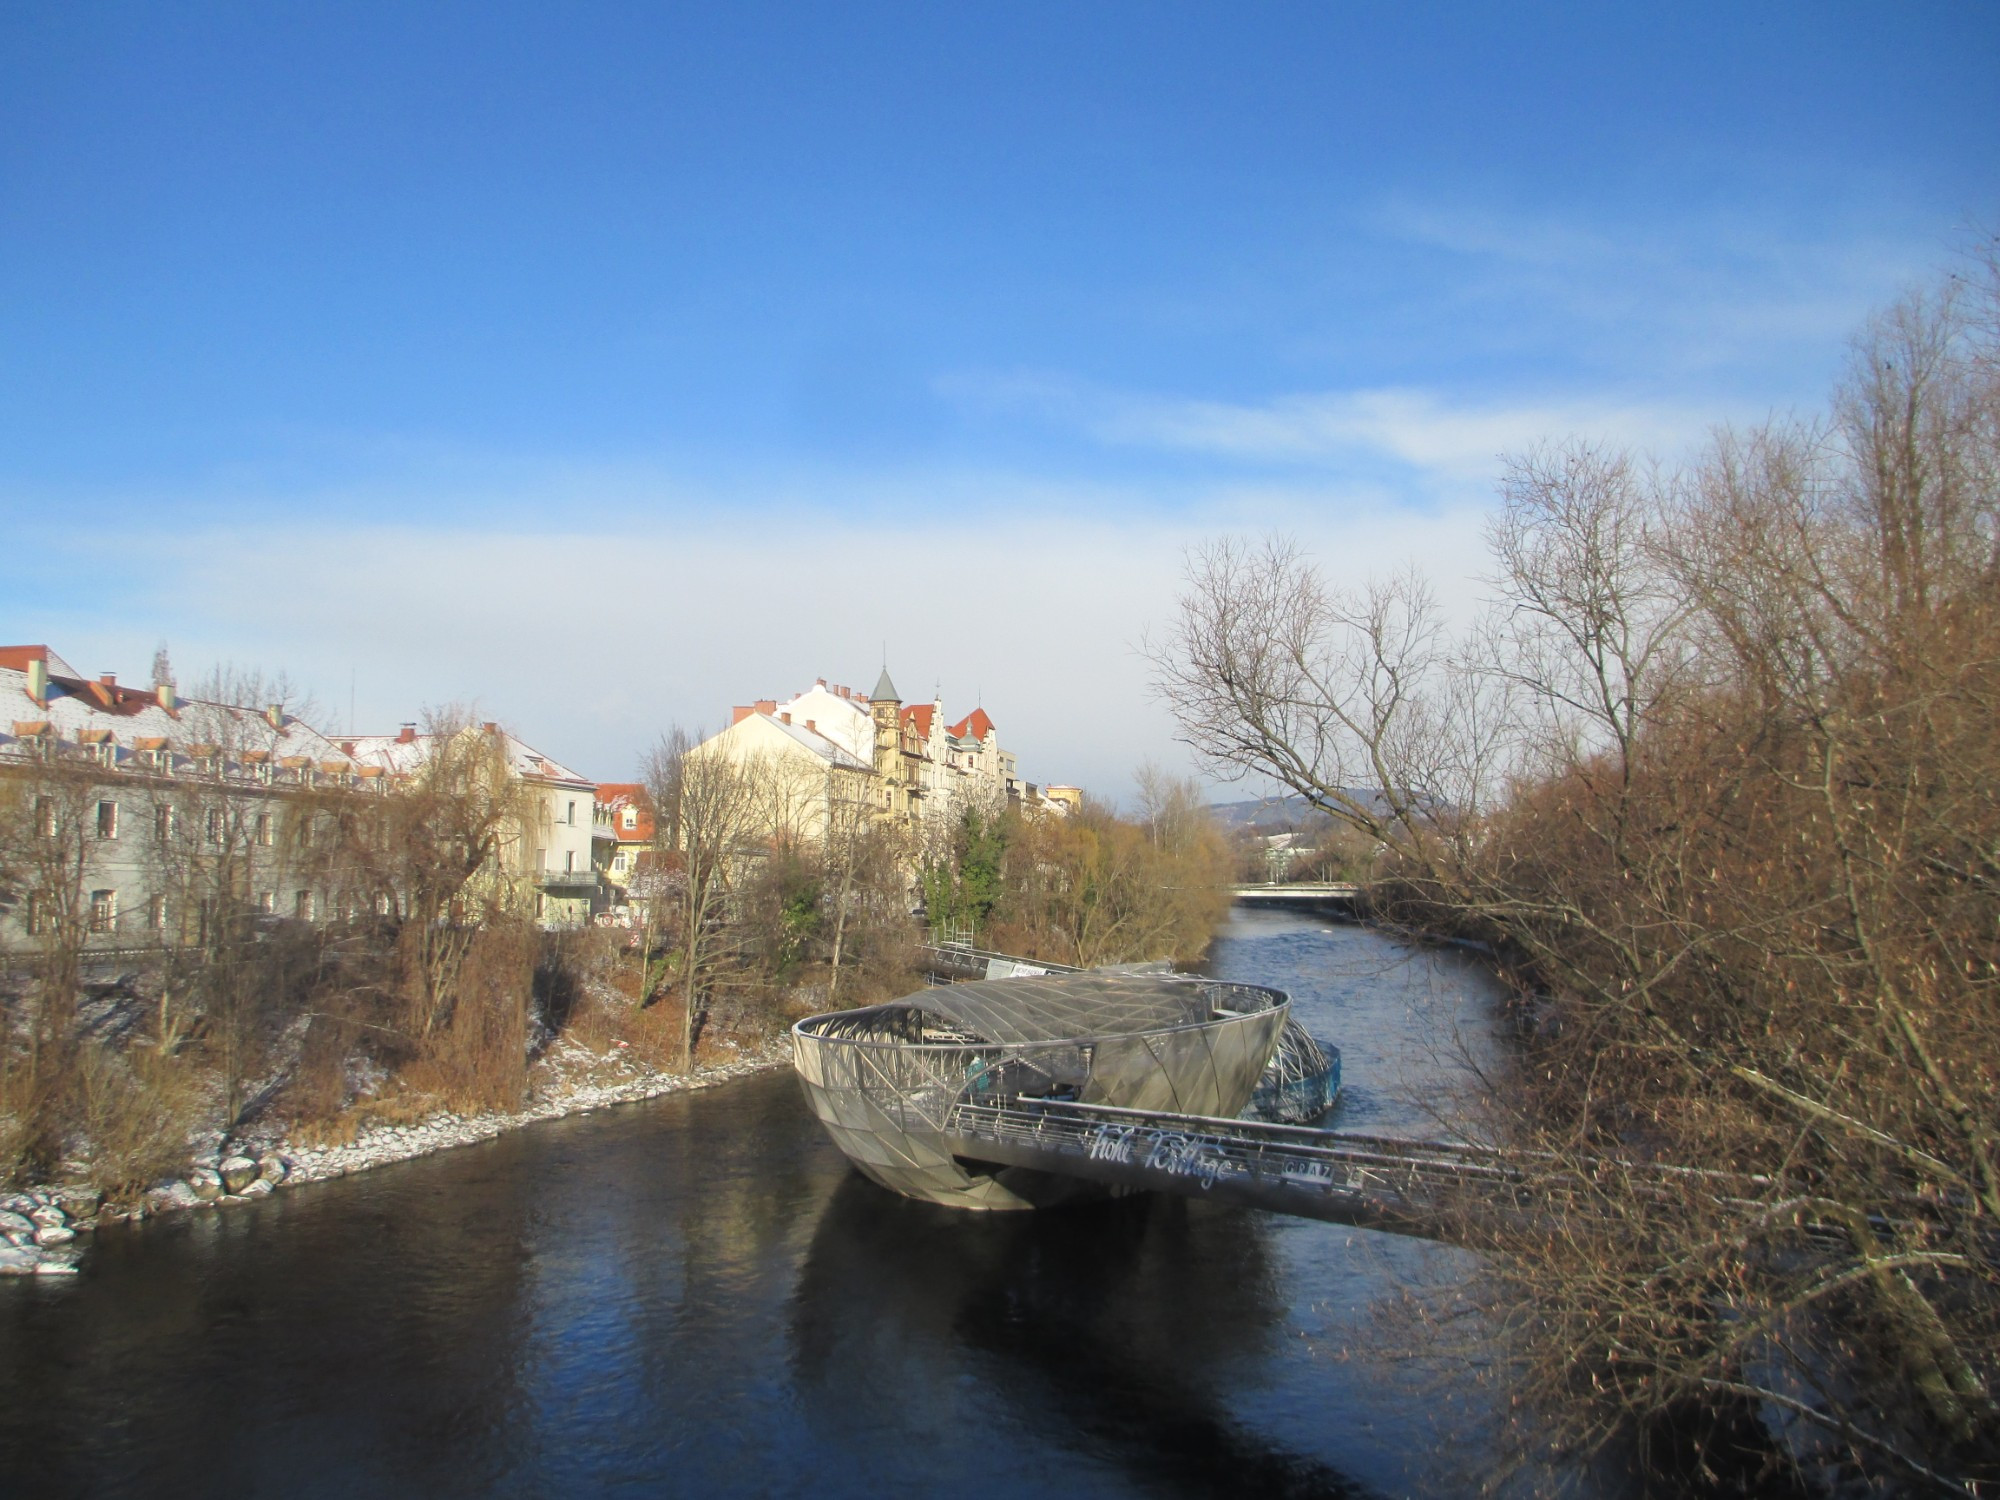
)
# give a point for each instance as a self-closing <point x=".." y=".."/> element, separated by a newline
<point x="1303" y="896"/>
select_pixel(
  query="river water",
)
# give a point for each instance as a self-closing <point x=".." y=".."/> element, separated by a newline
<point x="695" y="1296"/>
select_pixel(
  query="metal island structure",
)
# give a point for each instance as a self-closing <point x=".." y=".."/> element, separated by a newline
<point x="912" y="1090"/>
<point x="1033" y="1088"/>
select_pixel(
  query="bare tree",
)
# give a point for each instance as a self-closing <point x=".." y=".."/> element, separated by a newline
<point x="709" y="806"/>
<point x="48" y="821"/>
<point x="1714" y="778"/>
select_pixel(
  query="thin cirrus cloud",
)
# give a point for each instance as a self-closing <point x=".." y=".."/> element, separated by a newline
<point x="1730" y="293"/>
<point x="1451" y="448"/>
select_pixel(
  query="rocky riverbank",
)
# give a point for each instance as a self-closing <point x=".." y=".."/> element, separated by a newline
<point x="39" y="1227"/>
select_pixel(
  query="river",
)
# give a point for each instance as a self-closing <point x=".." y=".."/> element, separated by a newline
<point x="695" y="1296"/>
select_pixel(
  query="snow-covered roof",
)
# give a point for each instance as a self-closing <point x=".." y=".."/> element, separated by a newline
<point x="132" y="720"/>
<point x="844" y="720"/>
<point x="810" y="739"/>
<point x="402" y="755"/>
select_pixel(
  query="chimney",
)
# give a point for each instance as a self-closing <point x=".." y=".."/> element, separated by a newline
<point x="275" y="715"/>
<point x="109" y="679"/>
<point x="38" y="681"/>
<point x="490" y="727"/>
<point x="739" y="713"/>
<point x="812" y="725"/>
<point x="786" y="718"/>
<point x="169" y="699"/>
<point x="407" y="735"/>
<point x="767" y="705"/>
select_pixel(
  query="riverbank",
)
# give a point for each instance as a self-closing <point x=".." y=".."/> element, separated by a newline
<point x="40" y="1226"/>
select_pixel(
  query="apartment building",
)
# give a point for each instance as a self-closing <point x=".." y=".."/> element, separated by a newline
<point x="157" y="798"/>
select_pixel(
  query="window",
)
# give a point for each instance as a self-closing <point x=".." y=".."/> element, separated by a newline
<point x="305" y="832"/>
<point x="103" y="911"/>
<point x="572" y="812"/>
<point x="218" y="830"/>
<point x="166" y="822"/>
<point x="629" y="818"/>
<point x="45" y="817"/>
<point x="156" y="913"/>
<point x="302" y="906"/>
<point x="382" y="905"/>
<point x="618" y="862"/>
<point x="541" y="859"/>
<point x="265" y="829"/>
<point x="37" y="914"/>
<point x="569" y="855"/>
<point x="107" y="820"/>
<point x="267" y="902"/>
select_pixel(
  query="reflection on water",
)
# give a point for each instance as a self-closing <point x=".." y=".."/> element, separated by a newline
<point x="695" y="1296"/>
<point x="1095" y="1330"/>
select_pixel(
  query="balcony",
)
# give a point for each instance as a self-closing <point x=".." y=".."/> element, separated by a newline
<point x="566" y="879"/>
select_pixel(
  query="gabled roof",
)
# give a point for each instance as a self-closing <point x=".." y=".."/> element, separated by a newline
<point x="833" y="754"/>
<point x="919" y="714"/>
<point x="18" y="658"/>
<point x="975" y="725"/>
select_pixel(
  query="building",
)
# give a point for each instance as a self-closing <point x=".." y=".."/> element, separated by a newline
<point x="924" y="772"/>
<point x="552" y="851"/>
<point x="621" y="840"/>
<point x="169" y="802"/>
<point x="803" y="776"/>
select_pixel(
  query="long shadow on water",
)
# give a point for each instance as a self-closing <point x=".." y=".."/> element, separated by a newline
<point x="1107" y="1326"/>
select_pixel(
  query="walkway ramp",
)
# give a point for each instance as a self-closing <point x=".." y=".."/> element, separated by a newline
<point x="1420" y="1188"/>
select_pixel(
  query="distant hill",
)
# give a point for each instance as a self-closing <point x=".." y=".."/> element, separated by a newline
<point x="1266" y="814"/>
<point x="1287" y="814"/>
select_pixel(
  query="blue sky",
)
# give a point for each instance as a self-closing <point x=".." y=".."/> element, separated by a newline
<point x="607" y="365"/>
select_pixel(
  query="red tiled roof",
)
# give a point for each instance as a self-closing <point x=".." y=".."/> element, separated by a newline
<point x="920" y="715"/>
<point x="619" y="795"/>
<point x="976" y="724"/>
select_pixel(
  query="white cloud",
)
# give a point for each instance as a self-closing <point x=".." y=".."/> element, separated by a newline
<point x="590" y="643"/>
<point x="1460" y="443"/>
<point x="1441" y="447"/>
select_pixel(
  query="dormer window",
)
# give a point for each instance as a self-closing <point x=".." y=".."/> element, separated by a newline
<point x="629" y="818"/>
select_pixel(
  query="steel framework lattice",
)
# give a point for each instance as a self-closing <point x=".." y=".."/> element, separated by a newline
<point x="884" y="1080"/>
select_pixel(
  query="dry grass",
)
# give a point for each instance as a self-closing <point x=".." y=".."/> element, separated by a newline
<point x="134" y="1112"/>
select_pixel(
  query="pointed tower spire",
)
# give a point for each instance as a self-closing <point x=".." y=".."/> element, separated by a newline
<point x="885" y="690"/>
